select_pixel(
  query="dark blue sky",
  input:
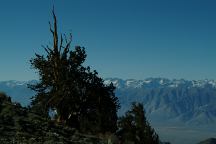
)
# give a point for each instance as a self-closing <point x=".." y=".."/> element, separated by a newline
<point x="123" y="38"/>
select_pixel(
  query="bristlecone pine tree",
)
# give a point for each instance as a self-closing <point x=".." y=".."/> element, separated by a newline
<point x="135" y="128"/>
<point x="77" y="94"/>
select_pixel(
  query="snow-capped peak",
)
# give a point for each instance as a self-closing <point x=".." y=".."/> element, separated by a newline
<point x="159" y="82"/>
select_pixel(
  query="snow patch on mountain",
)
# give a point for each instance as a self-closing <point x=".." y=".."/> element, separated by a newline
<point x="158" y="82"/>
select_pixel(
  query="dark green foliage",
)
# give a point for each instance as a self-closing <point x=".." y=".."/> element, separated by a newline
<point x="135" y="128"/>
<point x="4" y="98"/>
<point x="165" y="143"/>
<point x="78" y="94"/>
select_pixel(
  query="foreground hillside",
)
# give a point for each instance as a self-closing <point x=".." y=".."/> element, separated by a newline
<point x="19" y="125"/>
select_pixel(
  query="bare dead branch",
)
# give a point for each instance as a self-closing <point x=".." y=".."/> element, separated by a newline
<point x="65" y="37"/>
<point x="51" y="30"/>
<point x="55" y="36"/>
<point x="47" y="51"/>
<point x="61" y="43"/>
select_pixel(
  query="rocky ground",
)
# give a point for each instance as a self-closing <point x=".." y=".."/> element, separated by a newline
<point x="19" y="125"/>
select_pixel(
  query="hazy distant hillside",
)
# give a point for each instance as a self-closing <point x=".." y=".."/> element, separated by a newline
<point x="209" y="141"/>
<point x="18" y="90"/>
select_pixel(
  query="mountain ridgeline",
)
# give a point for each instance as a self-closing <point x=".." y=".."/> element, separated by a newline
<point x="192" y="102"/>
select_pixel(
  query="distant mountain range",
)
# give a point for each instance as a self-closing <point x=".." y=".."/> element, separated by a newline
<point x="18" y="90"/>
<point x="176" y="108"/>
<point x="191" y="102"/>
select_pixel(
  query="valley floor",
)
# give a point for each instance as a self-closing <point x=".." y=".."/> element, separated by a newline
<point x="185" y="135"/>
